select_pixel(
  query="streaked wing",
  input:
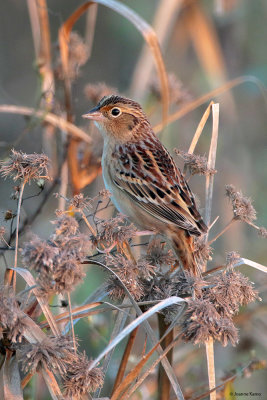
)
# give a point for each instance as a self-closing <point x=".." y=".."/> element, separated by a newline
<point x="147" y="173"/>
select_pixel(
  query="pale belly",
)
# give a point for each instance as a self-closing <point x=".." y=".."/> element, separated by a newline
<point x="125" y="205"/>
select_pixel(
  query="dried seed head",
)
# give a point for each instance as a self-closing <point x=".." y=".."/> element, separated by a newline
<point x="242" y="206"/>
<point x="67" y="273"/>
<point x="129" y="274"/>
<point x="228" y="332"/>
<point x="80" y="202"/>
<point x="25" y="166"/>
<point x="158" y="254"/>
<point x="202" y="250"/>
<point x="53" y="353"/>
<point x="39" y="255"/>
<point x="9" y="215"/>
<point x="112" y="231"/>
<point x="65" y="226"/>
<point x="11" y="316"/>
<point x="78" y="55"/>
<point x="80" y="379"/>
<point x="230" y="289"/>
<point x="263" y="232"/>
<point x="232" y="258"/>
<point x="177" y="92"/>
<point x="96" y="91"/>
<point x="57" y="261"/>
<point x="2" y="232"/>
<point x="196" y="164"/>
<point x="201" y="320"/>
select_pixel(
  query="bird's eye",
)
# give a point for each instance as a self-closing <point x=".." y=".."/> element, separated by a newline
<point x="115" y="112"/>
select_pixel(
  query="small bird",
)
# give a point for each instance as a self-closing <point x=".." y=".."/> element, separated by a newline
<point x="143" y="179"/>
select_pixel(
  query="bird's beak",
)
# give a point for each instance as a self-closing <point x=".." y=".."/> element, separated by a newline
<point x="94" y="114"/>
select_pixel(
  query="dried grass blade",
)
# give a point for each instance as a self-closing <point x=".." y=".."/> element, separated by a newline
<point x="200" y="128"/>
<point x="53" y="119"/>
<point x="253" y="264"/>
<point x="192" y="105"/>
<point x="145" y="29"/>
<point x="75" y="310"/>
<point x="27" y="276"/>
<point x="147" y="372"/>
<point x="168" y="368"/>
<point x="91" y="16"/>
<point x="10" y="384"/>
<point x="164" y="20"/>
<point x="163" y="304"/>
<point x="206" y="42"/>
<point x="118" y="327"/>
<point x="211" y="162"/>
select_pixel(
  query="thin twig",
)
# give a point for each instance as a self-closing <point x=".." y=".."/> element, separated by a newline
<point x="71" y="322"/>
<point x="53" y="119"/>
<point x="222" y="231"/>
<point x="124" y="359"/>
<point x="11" y="275"/>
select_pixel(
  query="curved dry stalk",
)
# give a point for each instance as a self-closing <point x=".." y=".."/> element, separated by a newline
<point x="53" y="119"/>
<point x="223" y="230"/>
<point x="11" y="274"/>
<point x="200" y="128"/>
<point x="125" y="359"/>
<point x="146" y="30"/>
<point x="71" y="322"/>
<point x="211" y="162"/>
<point x="164" y="20"/>
<point x="192" y="105"/>
<point x="137" y="369"/>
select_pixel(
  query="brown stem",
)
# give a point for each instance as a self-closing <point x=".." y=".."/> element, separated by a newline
<point x="125" y="358"/>
<point x="125" y="249"/>
<point x="10" y="276"/>
<point x="164" y="385"/>
<point x="71" y="322"/>
<point x="223" y="231"/>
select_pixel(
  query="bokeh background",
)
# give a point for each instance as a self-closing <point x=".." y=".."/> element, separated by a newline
<point x="204" y="44"/>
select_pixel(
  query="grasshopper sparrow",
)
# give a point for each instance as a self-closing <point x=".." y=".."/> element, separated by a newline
<point x="143" y="179"/>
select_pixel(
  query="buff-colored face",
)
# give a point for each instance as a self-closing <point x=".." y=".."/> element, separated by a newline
<point x="116" y="118"/>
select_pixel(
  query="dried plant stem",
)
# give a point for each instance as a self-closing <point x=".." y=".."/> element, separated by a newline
<point x="164" y="20"/>
<point x="63" y="186"/>
<point x="211" y="367"/>
<point x="71" y="322"/>
<point x="124" y="360"/>
<point x="92" y="230"/>
<point x="53" y="119"/>
<point x="200" y="128"/>
<point x="164" y="385"/>
<point x="209" y="194"/>
<point x="211" y="162"/>
<point x="26" y="379"/>
<point x="223" y="231"/>
<point x="91" y="16"/>
<point x="192" y="105"/>
<point x="125" y="249"/>
<point x="148" y="371"/>
<point x="11" y="275"/>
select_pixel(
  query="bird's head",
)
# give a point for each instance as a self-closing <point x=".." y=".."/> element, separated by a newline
<point x="118" y="117"/>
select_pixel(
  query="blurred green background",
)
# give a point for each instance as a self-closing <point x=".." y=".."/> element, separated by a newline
<point x="239" y="33"/>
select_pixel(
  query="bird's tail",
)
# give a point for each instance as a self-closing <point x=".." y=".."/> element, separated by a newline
<point x="183" y="246"/>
